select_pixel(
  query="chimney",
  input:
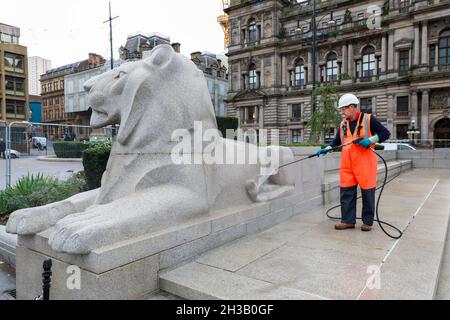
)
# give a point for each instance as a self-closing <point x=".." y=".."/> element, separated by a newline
<point x="197" y="55"/>
<point x="95" y="59"/>
<point x="176" y="46"/>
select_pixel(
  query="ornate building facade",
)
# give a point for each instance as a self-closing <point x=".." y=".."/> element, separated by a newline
<point x="394" y="55"/>
<point x="54" y="109"/>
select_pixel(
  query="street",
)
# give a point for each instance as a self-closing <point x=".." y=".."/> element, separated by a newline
<point x="30" y="165"/>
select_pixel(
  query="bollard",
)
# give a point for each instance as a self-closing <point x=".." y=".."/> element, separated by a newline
<point x="46" y="275"/>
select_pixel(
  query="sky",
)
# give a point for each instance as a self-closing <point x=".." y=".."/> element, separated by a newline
<point x="65" y="31"/>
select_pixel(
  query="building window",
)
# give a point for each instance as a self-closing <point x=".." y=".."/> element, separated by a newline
<point x="16" y="108"/>
<point x="332" y="67"/>
<point x="366" y="105"/>
<point x="296" y="111"/>
<point x="403" y="5"/>
<point x="299" y="74"/>
<point x="402" y="130"/>
<point x="444" y="48"/>
<point x="13" y="62"/>
<point x="368" y="60"/>
<point x="403" y="106"/>
<point x="432" y="55"/>
<point x="360" y="19"/>
<point x="252" y="78"/>
<point x="252" y="31"/>
<point x="14" y="86"/>
<point x="251" y="115"/>
<point x="403" y="61"/>
<point x="297" y="136"/>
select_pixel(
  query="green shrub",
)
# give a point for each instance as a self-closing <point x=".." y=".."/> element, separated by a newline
<point x="69" y="149"/>
<point x="95" y="160"/>
<point x="224" y="123"/>
<point x="34" y="191"/>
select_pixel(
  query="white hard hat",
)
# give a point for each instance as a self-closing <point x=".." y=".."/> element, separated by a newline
<point x="348" y="99"/>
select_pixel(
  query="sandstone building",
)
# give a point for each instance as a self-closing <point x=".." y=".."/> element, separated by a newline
<point x="395" y="55"/>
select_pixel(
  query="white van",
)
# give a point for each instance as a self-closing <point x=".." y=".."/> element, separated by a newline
<point x="39" y="143"/>
<point x="397" y="146"/>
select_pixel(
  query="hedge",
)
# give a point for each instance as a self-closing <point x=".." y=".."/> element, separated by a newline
<point x="95" y="160"/>
<point x="69" y="149"/>
<point x="224" y="123"/>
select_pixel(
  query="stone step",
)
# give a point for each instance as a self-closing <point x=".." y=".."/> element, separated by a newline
<point x="305" y="258"/>
<point x="197" y="281"/>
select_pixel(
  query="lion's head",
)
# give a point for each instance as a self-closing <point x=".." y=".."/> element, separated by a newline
<point x="150" y="99"/>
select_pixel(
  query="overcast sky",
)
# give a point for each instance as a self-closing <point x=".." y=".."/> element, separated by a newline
<point x="65" y="31"/>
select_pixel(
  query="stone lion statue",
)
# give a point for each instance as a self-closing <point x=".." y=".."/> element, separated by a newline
<point x="142" y="190"/>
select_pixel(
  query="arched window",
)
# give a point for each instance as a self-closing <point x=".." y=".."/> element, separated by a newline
<point x="444" y="47"/>
<point x="368" y="57"/>
<point x="299" y="73"/>
<point x="332" y="67"/>
<point x="252" y="31"/>
<point x="252" y="77"/>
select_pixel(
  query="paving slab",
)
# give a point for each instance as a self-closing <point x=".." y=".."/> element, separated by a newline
<point x="306" y="255"/>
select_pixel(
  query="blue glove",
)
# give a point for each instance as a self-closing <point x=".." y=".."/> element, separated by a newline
<point x="323" y="151"/>
<point x="368" y="141"/>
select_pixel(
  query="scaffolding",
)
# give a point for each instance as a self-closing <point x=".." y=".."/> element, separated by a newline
<point x="224" y="22"/>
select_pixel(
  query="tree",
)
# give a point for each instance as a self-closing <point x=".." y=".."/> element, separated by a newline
<point x="326" y="115"/>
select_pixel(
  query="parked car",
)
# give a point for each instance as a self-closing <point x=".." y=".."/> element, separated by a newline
<point x="14" y="154"/>
<point x="397" y="146"/>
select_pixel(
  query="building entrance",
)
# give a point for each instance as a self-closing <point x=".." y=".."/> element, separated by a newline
<point x="442" y="134"/>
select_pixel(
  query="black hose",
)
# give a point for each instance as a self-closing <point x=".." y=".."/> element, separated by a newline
<point x="380" y="222"/>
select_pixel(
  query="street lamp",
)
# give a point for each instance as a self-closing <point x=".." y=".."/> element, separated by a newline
<point x="413" y="131"/>
<point x="314" y="24"/>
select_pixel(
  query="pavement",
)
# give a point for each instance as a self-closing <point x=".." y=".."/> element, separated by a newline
<point x="305" y="258"/>
<point x="22" y="166"/>
<point x="7" y="280"/>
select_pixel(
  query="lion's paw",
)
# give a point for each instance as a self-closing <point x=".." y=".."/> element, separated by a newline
<point x="28" y="221"/>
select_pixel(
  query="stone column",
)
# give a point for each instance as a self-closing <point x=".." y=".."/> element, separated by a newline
<point x="424" y="43"/>
<point x="374" y="105"/>
<point x="390" y="116"/>
<point x="261" y="116"/>
<point x="350" y="60"/>
<point x="383" y="56"/>
<point x="425" y="109"/>
<point x="262" y="83"/>
<point x="310" y="68"/>
<point x="344" y="59"/>
<point x="416" y="45"/>
<point x="257" y="114"/>
<point x="391" y="51"/>
<point x="283" y="71"/>
<point x="436" y="57"/>
<point x="414" y="106"/>
<point x="245" y="115"/>
<point x="261" y="36"/>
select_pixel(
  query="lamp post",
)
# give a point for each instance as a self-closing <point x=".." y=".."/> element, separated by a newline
<point x="314" y="48"/>
<point x="413" y="131"/>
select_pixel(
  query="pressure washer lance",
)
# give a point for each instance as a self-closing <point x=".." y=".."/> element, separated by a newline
<point x="380" y="222"/>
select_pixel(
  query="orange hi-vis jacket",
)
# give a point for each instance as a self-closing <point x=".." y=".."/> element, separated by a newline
<point x="358" y="164"/>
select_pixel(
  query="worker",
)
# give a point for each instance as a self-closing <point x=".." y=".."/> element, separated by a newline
<point x="358" y="162"/>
